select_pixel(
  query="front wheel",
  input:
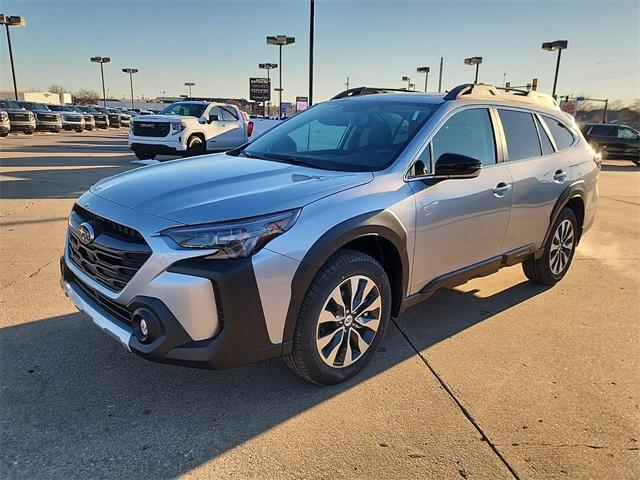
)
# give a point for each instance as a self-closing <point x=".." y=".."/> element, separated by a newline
<point x="195" y="146"/>
<point x="558" y="253"/>
<point x="342" y="319"/>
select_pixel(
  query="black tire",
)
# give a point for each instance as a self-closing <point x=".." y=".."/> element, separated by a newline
<point x="142" y="155"/>
<point x="4" y="134"/>
<point x="305" y="358"/>
<point x="540" y="270"/>
<point x="55" y="130"/>
<point x="79" y="130"/>
<point x="28" y="132"/>
<point x="195" y="146"/>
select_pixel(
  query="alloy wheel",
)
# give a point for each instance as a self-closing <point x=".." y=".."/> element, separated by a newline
<point x="349" y="321"/>
<point x="562" y="246"/>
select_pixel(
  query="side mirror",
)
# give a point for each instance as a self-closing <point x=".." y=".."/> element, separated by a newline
<point x="213" y="118"/>
<point x="452" y="165"/>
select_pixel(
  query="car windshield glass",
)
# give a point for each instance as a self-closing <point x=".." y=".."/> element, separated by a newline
<point x="34" y="106"/>
<point x="9" y="104"/>
<point x="60" y="108"/>
<point x="352" y="135"/>
<point x="184" y="109"/>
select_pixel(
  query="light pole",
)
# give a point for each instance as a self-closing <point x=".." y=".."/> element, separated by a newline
<point x="267" y="67"/>
<point x="408" y="80"/>
<point x="12" y="21"/>
<point x="131" y="71"/>
<point x="558" y="45"/>
<point x="280" y="41"/>
<point x="424" y="70"/>
<point x="189" y="84"/>
<point x="474" y="61"/>
<point x="347" y="83"/>
<point x="312" y="10"/>
<point x="102" y="61"/>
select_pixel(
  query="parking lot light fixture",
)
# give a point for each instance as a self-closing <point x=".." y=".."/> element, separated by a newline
<point x="268" y="67"/>
<point x="12" y="21"/>
<point x="424" y="70"/>
<point x="408" y="80"/>
<point x="558" y="45"/>
<point x="189" y="84"/>
<point x="280" y="41"/>
<point x="131" y="71"/>
<point x="102" y="61"/>
<point x="474" y="61"/>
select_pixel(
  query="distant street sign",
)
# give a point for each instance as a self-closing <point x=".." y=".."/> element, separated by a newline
<point x="286" y="106"/>
<point x="260" y="89"/>
<point x="302" y="103"/>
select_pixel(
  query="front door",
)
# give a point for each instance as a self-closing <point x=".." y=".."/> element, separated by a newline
<point x="225" y="130"/>
<point x="460" y="223"/>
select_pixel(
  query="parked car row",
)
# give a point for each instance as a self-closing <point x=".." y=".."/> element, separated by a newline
<point x="27" y="117"/>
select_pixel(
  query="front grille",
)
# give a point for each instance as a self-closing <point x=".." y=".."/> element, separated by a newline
<point x="119" y="311"/>
<point x="74" y="118"/>
<point x="21" y="117"/>
<point x="151" y="129"/>
<point x="47" y="117"/>
<point x="115" y="255"/>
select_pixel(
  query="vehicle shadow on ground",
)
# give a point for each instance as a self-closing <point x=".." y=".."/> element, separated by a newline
<point x="92" y="410"/>
<point x="620" y="167"/>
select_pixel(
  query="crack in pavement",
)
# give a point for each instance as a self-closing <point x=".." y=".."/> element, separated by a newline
<point x="458" y="402"/>
<point x="574" y="445"/>
<point x="31" y="275"/>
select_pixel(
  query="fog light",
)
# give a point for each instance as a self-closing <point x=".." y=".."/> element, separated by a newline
<point x="146" y="326"/>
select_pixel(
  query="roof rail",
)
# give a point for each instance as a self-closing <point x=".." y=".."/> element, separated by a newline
<point x="481" y="90"/>
<point x="357" y="91"/>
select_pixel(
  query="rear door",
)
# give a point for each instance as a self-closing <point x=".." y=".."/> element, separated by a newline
<point x="460" y="223"/>
<point x="225" y="129"/>
<point x="540" y="174"/>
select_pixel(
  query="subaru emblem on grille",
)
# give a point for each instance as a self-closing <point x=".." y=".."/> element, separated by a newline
<point x="86" y="233"/>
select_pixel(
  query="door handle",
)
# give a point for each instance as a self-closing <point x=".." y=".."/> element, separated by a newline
<point x="560" y="176"/>
<point x="501" y="189"/>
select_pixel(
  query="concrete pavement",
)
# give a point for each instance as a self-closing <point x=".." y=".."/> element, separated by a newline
<point x="497" y="378"/>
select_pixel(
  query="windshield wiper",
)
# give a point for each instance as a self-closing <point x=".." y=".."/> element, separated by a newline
<point x="293" y="160"/>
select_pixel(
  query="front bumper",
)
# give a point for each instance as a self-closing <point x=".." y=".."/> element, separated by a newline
<point x="210" y="311"/>
<point x="48" y="124"/>
<point x="22" y="125"/>
<point x="159" y="146"/>
<point x="73" y="125"/>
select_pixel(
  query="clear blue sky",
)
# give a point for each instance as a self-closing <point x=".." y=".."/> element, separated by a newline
<point x="218" y="44"/>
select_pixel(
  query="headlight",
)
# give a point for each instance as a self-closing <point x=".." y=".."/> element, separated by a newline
<point x="177" y="127"/>
<point x="234" y="239"/>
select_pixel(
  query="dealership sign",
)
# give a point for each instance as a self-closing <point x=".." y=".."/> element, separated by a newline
<point x="302" y="103"/>
<point x="259" y="89"/>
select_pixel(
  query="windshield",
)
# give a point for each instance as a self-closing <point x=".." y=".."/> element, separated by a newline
<point x="60" y="108"/>
<point x="10" y="104"/>
<point x="185" y="109"/>
<point x="361" y="135"/>
<point x="34" y="106"/>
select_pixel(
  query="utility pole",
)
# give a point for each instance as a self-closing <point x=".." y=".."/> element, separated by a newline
<point x="312" y="10"/>
<point x="347" y="84"/>
<point x="440" y="76"/>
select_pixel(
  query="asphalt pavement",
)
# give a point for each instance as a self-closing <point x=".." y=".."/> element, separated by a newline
<point x="498" y="378"/>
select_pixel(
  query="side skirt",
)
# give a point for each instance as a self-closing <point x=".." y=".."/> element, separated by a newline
<point x="463" y="275"/>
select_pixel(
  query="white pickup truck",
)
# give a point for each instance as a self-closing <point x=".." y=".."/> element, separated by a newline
<point x="189" y="128"/>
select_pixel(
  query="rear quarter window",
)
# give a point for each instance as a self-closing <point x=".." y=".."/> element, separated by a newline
<point x="560" y="133"/>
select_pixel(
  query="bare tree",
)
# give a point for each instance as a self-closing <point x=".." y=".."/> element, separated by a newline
<point x="86" y="96"/>
<point x="635" y="105"/>
<point x="57" y="89"/>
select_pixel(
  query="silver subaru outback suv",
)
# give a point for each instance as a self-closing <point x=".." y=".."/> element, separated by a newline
<point x="304" y="243"/>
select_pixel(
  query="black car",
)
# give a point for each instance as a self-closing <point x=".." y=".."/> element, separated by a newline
<point x="613" y="141"/>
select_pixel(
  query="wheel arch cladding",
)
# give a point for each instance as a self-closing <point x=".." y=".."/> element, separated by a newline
<point x="572" y="197"/>
<point x="378" y="233"/>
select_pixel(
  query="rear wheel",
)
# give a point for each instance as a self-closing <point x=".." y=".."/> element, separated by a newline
<point x="79" y="130"/>
<point x="554" y="263"/>
<point x="4" y="134"/>
<point x="342" y="320"/>
<point x="28" y="132"/>
<point x="195" y="146"/>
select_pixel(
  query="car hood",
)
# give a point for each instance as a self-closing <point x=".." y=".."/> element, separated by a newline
<point x="221" y="187"/>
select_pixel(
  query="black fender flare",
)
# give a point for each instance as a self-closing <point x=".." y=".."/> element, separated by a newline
<point x="568" y="194"/>
<point x="380" y="223"/>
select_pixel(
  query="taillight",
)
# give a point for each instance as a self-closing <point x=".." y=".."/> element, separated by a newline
<point x="249" y="128"/>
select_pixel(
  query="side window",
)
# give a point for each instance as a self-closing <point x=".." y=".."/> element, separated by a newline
<point x="604" y="131"/>
<point x="520" y="133"/>
<point x="422" y="166"/>
<point x="467" y="133"/>
<point x="229" y="115"/>
<point x="624" y="132"/>
<point x="547" y="147"/>
<point x="561" y="134"/>
<point x="316" y="136"/>
<point x="215" y="114"/>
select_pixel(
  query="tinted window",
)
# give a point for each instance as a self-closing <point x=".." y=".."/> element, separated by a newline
<point x="216" y="112"/>
<point x="363" y="134"/>
<point x="228" y="115"/>
<point x="467" y="133"/>
<point x="184" y="109"/>
<point x="604" y="131"/>
<point x="547" y="147"/>
<point x="624" y="132"/>
<point x="561" y="134"/>
<point x="423" y="163"/>
<point x="521" y="134"/>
